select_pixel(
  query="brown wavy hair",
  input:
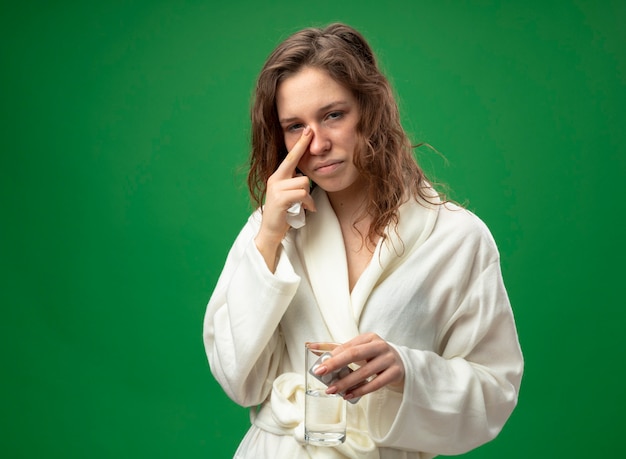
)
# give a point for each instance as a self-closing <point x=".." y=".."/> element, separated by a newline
<point x="384" y="154"/>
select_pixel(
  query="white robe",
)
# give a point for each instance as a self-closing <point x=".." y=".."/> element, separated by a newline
<point x="433" y="290"/>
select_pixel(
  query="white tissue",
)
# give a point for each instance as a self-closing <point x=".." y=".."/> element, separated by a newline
<point x="295" y="215"/>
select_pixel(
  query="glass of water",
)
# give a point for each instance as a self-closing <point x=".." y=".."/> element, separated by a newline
<point x="324" y="414"/>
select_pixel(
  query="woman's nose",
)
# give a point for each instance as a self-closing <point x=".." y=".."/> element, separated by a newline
<point x="320" y="143"/>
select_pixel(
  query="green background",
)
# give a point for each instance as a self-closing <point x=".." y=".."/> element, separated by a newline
<point x="124" y="142"/>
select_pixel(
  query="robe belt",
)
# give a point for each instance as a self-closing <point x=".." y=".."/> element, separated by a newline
<point x="283" y="414"/>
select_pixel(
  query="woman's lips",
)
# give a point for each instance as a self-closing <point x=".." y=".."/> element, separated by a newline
<point x="328" y="168"/>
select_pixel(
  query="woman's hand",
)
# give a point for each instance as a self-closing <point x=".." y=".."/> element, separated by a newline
<point x="380" y="365"/>
<point x="284" y="188"/>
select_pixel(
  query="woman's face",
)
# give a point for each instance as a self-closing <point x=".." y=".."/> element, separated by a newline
<point x="312" y="98"/>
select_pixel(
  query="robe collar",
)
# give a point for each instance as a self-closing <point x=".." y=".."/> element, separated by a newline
<point x="322" y="251"/>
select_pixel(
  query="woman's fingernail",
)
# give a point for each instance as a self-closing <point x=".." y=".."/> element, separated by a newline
<point x="320" y="370"/>
<point x="349" y="396"/>
<point x="307" y="130"/>
<point x="331" y="390"/>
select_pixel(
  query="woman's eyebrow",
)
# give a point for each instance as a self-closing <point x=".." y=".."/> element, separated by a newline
<point x="332" y="105"/>
<point x="287" y="120"/>
<point x="326" y="107"/>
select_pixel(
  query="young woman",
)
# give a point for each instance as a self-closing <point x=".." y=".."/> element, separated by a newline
<point x="409" y="284"/>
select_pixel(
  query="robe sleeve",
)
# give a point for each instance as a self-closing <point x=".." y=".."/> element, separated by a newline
<point x="460" y="398"/>
<point x="241" y="333"/>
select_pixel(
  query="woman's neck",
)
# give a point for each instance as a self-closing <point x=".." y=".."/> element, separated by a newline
<point x="348" y="204"/>
<point x="350" y="208"/>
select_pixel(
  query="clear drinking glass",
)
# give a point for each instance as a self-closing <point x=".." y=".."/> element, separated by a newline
<point x="324" y="414"/>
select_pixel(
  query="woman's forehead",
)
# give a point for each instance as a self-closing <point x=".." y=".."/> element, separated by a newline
<point x="309" y="90"/>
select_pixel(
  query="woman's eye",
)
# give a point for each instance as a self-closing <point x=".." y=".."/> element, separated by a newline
<point x="334" y="116"/>
<point x="295" y="127"/>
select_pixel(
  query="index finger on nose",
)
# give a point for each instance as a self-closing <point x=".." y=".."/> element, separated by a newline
<point x="288" y="166"/>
